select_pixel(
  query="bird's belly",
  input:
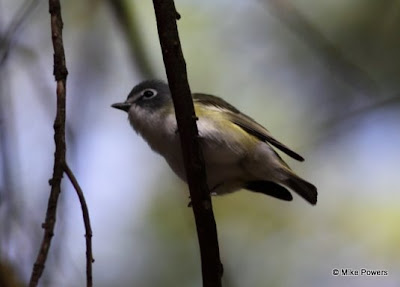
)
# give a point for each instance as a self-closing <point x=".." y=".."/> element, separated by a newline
<point x="221" y="178"/>
<point x="225" y="178"/>
<point x="227" y="169"/>
<point x="223" y="166"/>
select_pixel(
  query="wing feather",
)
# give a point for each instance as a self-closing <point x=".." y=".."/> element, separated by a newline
<point x="246" y="123"/>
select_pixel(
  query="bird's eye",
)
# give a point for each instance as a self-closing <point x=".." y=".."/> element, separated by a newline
<point x="149" y="93"/>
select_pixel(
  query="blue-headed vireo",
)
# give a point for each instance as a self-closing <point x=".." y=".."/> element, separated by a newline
<point x="236" y="149"/>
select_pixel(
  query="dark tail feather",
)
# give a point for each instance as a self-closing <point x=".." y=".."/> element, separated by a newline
<point x="269" y="188"/>
<point x="305" y="189"/>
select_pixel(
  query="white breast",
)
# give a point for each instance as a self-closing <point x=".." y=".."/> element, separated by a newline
<point x="161" y="134"/>
<point x="224" y="156"/>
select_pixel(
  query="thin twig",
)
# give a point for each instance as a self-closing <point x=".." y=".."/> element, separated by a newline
<point x="344" y="122"/>
<point x="342" y="65"/>
<point x="127" y="18"/>
<point x="60" y="74"/>
<point x="175" y="67"/>
<point x="22" y="15"/>
<point x="86" y="220"/>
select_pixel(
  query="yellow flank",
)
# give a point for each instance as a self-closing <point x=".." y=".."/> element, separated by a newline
<point x="220" y="122"/>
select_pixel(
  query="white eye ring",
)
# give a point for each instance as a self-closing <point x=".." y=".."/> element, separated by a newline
<point x="148" y="94"/>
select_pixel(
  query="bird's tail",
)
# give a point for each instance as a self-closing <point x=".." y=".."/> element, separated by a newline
<point x="305" y="189"/>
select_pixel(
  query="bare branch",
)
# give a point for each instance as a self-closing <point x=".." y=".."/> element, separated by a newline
<point x="86" y="221"/>
<point x="175" y="67"/>
<point x="7" y="41"/>
<point x="60" y="74"/>
<point x="341" y="65"/>
<point x="129" y="24"/>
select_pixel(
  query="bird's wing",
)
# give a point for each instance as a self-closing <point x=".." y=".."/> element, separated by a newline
<point x="245" y="122"/>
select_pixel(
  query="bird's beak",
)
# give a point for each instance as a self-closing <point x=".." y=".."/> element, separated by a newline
<point x="122" y="106"/>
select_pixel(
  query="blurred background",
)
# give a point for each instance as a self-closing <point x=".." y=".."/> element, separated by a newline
<point x="323" y="76"/>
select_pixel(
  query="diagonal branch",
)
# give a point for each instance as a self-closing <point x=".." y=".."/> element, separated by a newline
<point x="129" y="23"/>
<point x="8" y="39"/>
<point x="60" y="74"/>
<point x="350" y="72"/>
<point x="175" y="67"/>
<point x="86" y="221"/>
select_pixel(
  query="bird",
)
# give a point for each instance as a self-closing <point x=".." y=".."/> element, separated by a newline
<point x="238" y="152"/>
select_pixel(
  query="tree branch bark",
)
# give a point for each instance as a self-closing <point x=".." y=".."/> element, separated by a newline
<point x="175" y="67"/>
<point x="86" y="221"/>
<point x="60" y="73"/>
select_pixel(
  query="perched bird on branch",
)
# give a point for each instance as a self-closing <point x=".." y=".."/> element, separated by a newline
<point x="237" y="150"/>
